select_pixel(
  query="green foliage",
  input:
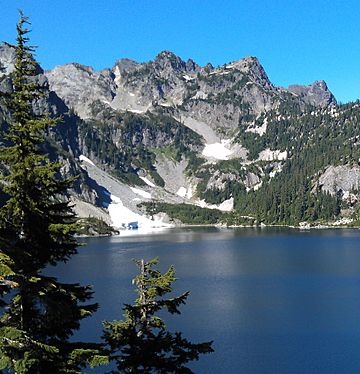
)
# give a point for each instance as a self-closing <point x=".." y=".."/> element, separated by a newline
<point x="194" y="163"/>
<point x="94" y="226"/>
<point x="140" y="343"/>
<point x="194" y="215"/>
<point x="231" y="173"/>
<point x="157" y="178"/>
<point x="289" y="199"/>
<point x="327" y="136"/>
<point x="170" y="152"/>
<point x="217" y="196"/>
<point x="186" y="213"/>
<point x="314" y="139"/>
<point x="38" y="313"/>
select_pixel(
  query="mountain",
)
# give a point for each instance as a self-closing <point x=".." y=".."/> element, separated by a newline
<point x="233" y="89"/>
<point x="170" y="131"/>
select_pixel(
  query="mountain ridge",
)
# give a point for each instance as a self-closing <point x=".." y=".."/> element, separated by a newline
<point x="124" y="78"/>
<point x="214" y="137"/>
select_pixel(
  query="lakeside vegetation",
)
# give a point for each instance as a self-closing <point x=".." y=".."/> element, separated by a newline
<point x="189" y="214"/>
<point x="92" y="226"/>
<point x="38" y="313"/>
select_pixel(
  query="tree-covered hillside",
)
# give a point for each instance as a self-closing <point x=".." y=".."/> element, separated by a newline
<point x="314" y="140"/>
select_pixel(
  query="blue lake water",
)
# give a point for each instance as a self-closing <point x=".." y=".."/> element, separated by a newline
<point x="274" y="300"/>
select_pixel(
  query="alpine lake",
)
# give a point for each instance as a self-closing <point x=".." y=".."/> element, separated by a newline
<point x="273" y="300"/>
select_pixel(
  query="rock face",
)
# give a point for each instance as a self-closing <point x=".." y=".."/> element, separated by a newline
<point x="222" y="97"/>
<point x="159" y="82"/>
<point x="79" y="86"/>
<point x="344" y="179"/>
<point x="316" y="94"/>
<point x="7" y="60"/>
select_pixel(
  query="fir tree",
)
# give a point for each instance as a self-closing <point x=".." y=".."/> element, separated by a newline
<point x="141" y="343"/>
<point x="38" y="314"/>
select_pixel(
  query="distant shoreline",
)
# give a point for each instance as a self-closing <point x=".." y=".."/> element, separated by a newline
<point x="134" y="233"/>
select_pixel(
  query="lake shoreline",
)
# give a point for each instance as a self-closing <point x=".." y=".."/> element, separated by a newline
<point x="131" y="233"/>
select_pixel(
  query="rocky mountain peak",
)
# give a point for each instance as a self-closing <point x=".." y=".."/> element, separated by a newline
<point x="320" y="84"/>
<point x="252" y="67"/>
<point x="192" y="66"/>
<point x="167" y="55"/>
<point x="207" y="68"/>
<point x="247" y="61"/>
<point x="216" y="95"/>
<point x="126" y="65"/>
<point x="167" y="59"/>
<point x="77" y="66"/>
<point x="316" y="94"/>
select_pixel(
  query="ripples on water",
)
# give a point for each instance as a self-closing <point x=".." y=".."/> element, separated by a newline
<point x="274" y="300"/>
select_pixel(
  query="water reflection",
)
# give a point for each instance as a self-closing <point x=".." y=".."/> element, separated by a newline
<point x="274" y="299"/>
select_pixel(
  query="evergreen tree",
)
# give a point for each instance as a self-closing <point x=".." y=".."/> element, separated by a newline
<point x="37" y="313"/>
<point x="141" y="343"/>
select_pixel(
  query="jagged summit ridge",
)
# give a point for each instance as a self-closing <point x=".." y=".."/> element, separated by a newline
<point x="218" y="96"/>
<point x="167" y="59"/>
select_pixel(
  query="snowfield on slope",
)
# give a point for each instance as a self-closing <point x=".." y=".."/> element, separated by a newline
<point x="85" y="159"/>
<point x="142" y="193"/>
<point x="124" y="210"/>
<point x="219" y="151"/>
<point x="147" y="181"/>
<point x="121" y="216"/>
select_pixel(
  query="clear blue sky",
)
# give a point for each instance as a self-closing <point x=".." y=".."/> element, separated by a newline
<point x="297" y="41"/>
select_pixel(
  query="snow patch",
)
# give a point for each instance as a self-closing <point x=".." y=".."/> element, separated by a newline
<point x="190" y="193"/>
<point x="142" y="193"/>
<point x="200" y="95"/>
<point x="84" y="158"/>
<point x="188" y="78"/>
<point x="181" y="192"/>
<point x="122" y="217"/>
<point x="117" y="74"/>
<point x="147" y="181"/>
<point x="115" y="199"/>
<point x="131" y="94"/>
<point x="166" y="105"/>
<point x="220" y="72"/>
<point x="219" y="151"/>
<point x="185" y="193"/>
<point x="138" y="111"/>
<point x="225" y="206"/>
<point x="269" y="155"/>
